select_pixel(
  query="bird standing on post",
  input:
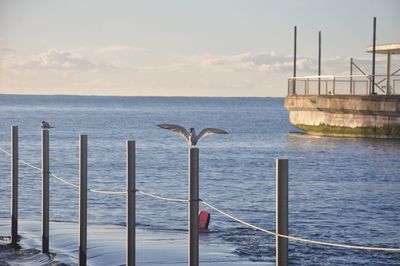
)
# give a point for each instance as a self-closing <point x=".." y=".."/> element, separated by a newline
<point x="46" y="125"/>
<point x="191" y="136"/>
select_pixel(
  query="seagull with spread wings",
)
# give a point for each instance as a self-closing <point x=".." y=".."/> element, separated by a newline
<point x="191" y="136"/>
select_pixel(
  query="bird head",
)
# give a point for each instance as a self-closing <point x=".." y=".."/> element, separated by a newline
<point x="192" y="130"/>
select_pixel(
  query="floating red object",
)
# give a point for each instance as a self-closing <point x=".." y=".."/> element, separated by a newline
<point x="204" y="219"/>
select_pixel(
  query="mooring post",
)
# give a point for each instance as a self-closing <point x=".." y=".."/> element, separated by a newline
<point x="282" y="203"/>
<point x="130" y="203"/>
<point x="14" y="185"/>
<point x="193" y="206"/>
<point x="82" y="199"/>
<point x="45" y="190"/>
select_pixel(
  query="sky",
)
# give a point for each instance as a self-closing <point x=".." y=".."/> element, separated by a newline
<point x="183" y="47"/>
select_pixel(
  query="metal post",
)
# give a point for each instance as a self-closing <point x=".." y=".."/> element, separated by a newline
<point x="82" y="199"/>
<point x="307" y="86"/>
<point x="45" y="191"/>
<point x="351" y="76"/>
<point x="14" y="185"/>
<point x="193" y="207"/>
<point x="334" y="86"/>
<point x="282" y="203"/>
<point x="388" y="90"/>
<point x="294" y="60"/>
<point x="319" y="63"/>
<point x="373" y="58"/>
<point x="131" y="201"/>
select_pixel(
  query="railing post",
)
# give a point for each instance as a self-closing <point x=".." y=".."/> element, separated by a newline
<point x="307" y="86"/>
<point x="45" y="191"/>
<point x="282" y="203"/>
<point x="319" y="63"/>
<point x="351" y="75"/>
<point x="334" y="86"/>
<point x="82" y="199"/>
<point x="373" y="58"/>
<point x="14" y="185"/>
<point x="294" y="60"/>
<point x="131" y="201"/>
<point x="193" y="206"/>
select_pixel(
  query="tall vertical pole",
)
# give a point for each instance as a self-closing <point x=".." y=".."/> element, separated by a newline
<point x="319" y="62"/>
<point x="373" y="58"/>
<point x="351" y="76"/>
<point x="388" y="91"/>
<point x="282" y="217"/>
<point x="193" y="206"/>
<point x="14" y="185"/>
<point x="294" y="60"/>
<point x="131" y="201"/>
<point x="82" y="199"/>
<point x="45" y="191"/>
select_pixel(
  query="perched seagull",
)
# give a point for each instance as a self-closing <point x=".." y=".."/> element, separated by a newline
<point x="191" y="136"/>
<point x="46" y="125"/>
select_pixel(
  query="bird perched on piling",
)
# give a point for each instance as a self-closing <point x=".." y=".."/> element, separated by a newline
<point x="46" y="125"/>
<point x="191" y="136"/>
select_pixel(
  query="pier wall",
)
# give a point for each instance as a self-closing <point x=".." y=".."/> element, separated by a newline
<point x="375" y="116"/>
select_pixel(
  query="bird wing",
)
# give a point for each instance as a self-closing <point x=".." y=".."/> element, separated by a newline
<point x="177" y="129"/>
<point x="209" y="131"/>
<point x="47" y="125"/>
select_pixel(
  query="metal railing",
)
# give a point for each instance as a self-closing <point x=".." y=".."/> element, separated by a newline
<point x="341" y="85"/>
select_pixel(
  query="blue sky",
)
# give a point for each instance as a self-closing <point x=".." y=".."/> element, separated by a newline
<point x="188" y="48"/>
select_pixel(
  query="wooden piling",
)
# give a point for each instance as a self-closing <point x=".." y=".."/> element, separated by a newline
<point x="130" y="203"/>
<point x="45" y="191"/>
<point x="282" y="206"/>
<point x="193" y="207"/>
<point x="82" y="200"/>
<point x="14" y="185"/>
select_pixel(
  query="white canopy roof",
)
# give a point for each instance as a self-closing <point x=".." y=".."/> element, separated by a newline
<point x="385" y="48"/>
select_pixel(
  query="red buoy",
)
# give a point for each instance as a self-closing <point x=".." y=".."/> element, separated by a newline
<point x="204" y="219"/>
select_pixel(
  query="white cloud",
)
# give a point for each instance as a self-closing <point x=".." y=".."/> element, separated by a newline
<point x="121" y="50"/>
<point x="53" y="59"/>
<point x="252" y="61"/>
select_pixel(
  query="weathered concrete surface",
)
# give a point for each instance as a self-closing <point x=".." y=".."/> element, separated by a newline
<point x="376" y="116"/>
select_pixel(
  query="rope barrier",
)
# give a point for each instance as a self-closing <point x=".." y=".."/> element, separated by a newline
<point x="22" y="161"/>
<point x="30" y="165"/>
<point x="298" y="238"/>
<point x="106" y="192"/>
<point x="217" y="210"/>
<point x="64" y="181"/>
<point x="160" y="197"/>
<point x="6" y="152"/>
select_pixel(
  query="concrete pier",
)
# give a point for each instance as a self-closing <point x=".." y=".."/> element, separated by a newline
<point x="375" y="116"/>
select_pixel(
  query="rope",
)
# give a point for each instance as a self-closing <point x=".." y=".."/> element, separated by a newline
<point x="216" y="209"/>
<point x="64" y="181"/>
<point x="106" y="192"/>
<point x="30" y="165"/>
<point x="160" y="198"/>
<point x="22" y="161"/>
<point x="298" y="238"/>
<point x="6" y="152"/>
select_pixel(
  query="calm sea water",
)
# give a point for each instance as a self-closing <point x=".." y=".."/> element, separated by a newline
<point x="341" y="190"/>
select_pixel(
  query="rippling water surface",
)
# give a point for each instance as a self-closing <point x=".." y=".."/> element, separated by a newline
<point x="341" y="190"/>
